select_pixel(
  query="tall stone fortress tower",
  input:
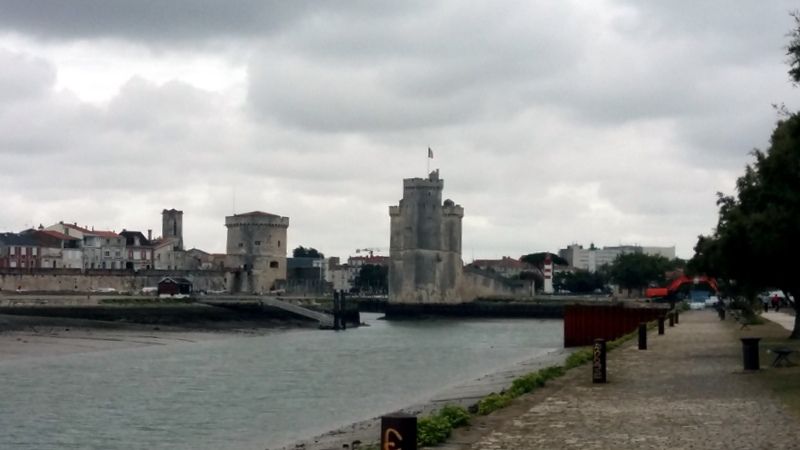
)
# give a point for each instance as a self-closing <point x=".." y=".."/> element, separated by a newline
<point x="425" y="245"/>
<point x="172" y="227"/>
<point x="256" y="251"/>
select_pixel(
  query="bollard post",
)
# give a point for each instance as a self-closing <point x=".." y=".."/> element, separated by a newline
<point x="722" y="314"/>
<point x="750" y="353"/>
<point x="677" y="317"/>
<point x="399" y="431"/>
<point x="643" y="336"/>
<point x="336" y="310"/>
<point x="671" y="319"/>
<point x="599" y="361"/>
<point x="661" y="326"/>
<point x="342" y="313"/>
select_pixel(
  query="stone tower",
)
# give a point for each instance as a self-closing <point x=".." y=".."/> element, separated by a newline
<point x="172" y="226"/>
<point x="256" y="249"/>
<point x="425" y="244"/>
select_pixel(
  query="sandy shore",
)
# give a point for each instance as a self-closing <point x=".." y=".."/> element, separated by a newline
<point x="34" y="337"/>
<point x="464" y="394"/>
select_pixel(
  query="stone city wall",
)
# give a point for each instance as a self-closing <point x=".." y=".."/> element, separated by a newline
<point x="476" y="283"/>
<point x="66" y="280"/>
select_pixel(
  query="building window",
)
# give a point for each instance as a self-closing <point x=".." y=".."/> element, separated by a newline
<point x="258" y="242"/>
<point x="12" y="264"/>
<point x="279" y="244"/>
<point x="241" y="244"/>
<point x="273" y="265"/>
<point x="107" y="253"/>
<point x="108" y="241"/>
<point x="11" y="251"/>
<point x="117" y="254"/>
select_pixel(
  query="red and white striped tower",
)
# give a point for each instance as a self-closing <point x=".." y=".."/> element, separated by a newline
<point x="548" y="275"/>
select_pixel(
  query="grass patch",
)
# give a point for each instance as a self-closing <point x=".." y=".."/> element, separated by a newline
<point x="783" y="381"/>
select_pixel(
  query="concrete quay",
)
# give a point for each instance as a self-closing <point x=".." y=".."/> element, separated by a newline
<point x="687" y="391"/>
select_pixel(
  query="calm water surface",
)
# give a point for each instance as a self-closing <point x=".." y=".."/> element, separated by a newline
<point x="250" y="392"/>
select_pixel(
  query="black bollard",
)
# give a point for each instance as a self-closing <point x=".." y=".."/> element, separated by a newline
<point x="643" y="336"/>
<point x="336" y="311"/>
<point x="750" y="353"/>
<point x="342" y="314"/>
<point x="661" y="326"/>
<point x="599" y="362"/>
<point x="399" y="431"/>
<point x="671" y="320"/>
<point x="677" y="316"/>
<point x="722" y="314"/>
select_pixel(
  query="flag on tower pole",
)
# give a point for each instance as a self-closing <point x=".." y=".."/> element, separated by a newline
<point x="430" y="153"/>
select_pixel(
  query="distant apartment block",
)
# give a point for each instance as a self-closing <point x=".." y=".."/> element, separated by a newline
<point x="593" y="257"/>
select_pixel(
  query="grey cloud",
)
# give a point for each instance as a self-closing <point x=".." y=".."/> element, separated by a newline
<point x="185" y="22"/>
<point x="24" y="77"/>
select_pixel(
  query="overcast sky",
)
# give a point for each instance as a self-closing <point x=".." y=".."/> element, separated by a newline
<point x="551" y="122"/>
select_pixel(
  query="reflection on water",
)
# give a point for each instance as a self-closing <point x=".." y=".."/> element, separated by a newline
<point x="250" y="392"/>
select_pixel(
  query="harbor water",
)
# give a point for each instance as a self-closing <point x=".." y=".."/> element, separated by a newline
<point x="251" y="392"/>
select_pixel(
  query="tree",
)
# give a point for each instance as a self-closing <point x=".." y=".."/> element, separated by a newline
<point x="310" y="252"/>
<point x="580" y="281"/>
<point x="537" y="259"/>
<point x="373" y="278"/>
<point x="638" y="270"/>
<point x="758" y="233"/>
<point x="757" y="237"/>
<point x="793" y="49"/>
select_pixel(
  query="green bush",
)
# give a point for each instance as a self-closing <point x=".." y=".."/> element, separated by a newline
<point x="455" y="415"/>
<point x="493" y="402"/>
<point x="432" y="430"/>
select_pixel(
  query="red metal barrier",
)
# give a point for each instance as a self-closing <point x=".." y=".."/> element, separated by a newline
<point x="585" y="323"/>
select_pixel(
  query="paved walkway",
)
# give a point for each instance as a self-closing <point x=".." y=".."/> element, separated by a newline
<point x="687" y="391"/>
<point x="781" y="318"/>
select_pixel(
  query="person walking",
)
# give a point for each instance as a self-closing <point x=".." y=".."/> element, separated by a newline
<point x="776" y="303"/>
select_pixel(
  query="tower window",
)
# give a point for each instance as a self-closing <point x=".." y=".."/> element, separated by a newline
<point x="258" y="242"/>
<point x="273" y="264"/>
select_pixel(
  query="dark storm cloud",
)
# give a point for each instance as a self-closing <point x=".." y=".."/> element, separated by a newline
<point x="152" y="21"/>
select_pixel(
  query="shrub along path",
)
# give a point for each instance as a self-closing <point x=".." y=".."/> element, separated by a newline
<point x="688" y="390"/>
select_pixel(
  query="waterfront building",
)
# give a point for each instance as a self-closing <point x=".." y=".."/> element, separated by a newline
<point x="19" y="251"/>
<point x="506" y="266"/>
<point x="140" y="250"/>
<point x="58" y="251"/>
<point x="102" y="249"/>
<point x="593" y="257"/>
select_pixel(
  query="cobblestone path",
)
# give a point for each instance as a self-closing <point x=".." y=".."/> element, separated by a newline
<point x="687" y="391"/>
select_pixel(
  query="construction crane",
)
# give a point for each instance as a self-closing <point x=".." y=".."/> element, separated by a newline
<point x="371" y="250"/>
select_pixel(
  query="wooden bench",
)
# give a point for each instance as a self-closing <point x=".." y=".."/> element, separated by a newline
<point x="782" y="356"/>
<point x="739" y="317"/>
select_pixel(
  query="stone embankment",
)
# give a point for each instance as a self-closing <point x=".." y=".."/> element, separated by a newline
<point x="688" y="390"/>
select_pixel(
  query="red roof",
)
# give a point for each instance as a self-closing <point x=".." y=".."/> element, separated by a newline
<point x="105" y="234"/>
<point x="57" y="235"/>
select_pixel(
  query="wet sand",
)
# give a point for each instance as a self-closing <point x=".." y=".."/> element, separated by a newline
<point x="36" y="337"/>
